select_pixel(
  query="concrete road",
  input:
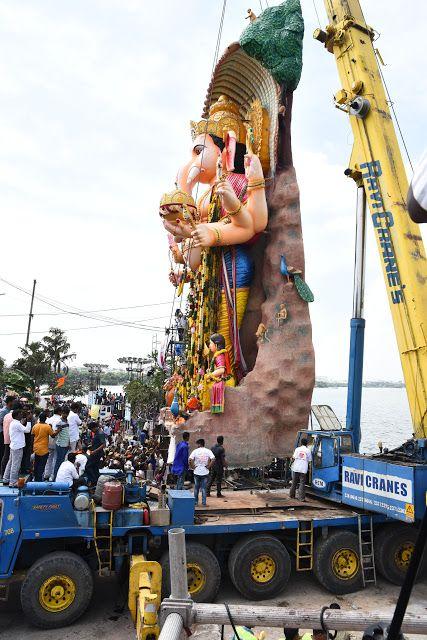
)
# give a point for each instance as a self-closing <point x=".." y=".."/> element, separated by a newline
<point x="103" y="622"/>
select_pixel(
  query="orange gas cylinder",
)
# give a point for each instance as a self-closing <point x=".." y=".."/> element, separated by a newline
<point x="112" y="496"/>
<point x="146" y="517"/>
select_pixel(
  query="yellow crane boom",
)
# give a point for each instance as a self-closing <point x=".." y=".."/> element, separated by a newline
<point x="376" y="163"/>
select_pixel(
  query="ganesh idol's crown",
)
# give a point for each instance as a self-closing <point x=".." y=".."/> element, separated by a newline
<point x="224" y="116"/>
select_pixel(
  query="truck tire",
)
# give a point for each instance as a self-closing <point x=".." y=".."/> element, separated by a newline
<point x="259" y="567"/>
<point x="337" y="562"/>
<point x="57" y="590"/>
<point x="203" y="571"/>
<point x="393" y="547"/>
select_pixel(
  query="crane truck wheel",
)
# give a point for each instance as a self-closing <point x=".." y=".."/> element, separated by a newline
<point x="259" y="567"/>
<point x="57" y="590"/>
<point x="337" y="562"/>
<point x="203" y="573"/>
<point x="393" y="547"/>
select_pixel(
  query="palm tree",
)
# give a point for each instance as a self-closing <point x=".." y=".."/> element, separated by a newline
<point x="33" y="362"/>
<point x="56" y="348"/>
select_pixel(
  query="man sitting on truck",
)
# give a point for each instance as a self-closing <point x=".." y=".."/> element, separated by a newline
<point x="301" y="458"/>
<point x="68" y="472"/>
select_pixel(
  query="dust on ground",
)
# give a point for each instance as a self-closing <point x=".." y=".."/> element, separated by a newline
<point x="105" y="621"/>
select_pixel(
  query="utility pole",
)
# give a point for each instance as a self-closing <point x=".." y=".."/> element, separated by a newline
<point x="30" y="315"/>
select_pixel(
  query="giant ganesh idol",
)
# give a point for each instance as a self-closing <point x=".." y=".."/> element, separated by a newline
<point x="234" y="232"/>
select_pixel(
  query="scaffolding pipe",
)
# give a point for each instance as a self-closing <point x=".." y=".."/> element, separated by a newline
<point x="172" y="628"/>
<point x="335" y="619"/>
<point x="178" y="564"/>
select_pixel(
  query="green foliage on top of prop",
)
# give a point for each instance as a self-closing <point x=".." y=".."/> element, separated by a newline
<point x="275" y="40"/>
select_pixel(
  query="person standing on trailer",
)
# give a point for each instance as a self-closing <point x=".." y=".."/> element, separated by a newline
<point x="62" y="441"/>
<point x="217" y="470"/>
<point x="201" y="460"/>
<point x="301" y="459"/>
<point x="75" y="424"/>
<point x="20" y="425"/>
<point x="42" y="431"/>
<point x="180" y="461"/>
<point x="4" y="411"/>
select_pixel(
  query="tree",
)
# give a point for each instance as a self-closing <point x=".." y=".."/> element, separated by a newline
<point x="18" y="381"/>
<point x="34" y="362"/>
<point x="145" y="395"/>
<point x="56" y="348"/>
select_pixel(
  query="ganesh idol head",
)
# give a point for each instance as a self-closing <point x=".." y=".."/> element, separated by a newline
<point x="218" y="145"/>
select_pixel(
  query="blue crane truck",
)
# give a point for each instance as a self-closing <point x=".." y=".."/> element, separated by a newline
<point x="259" y="538"/>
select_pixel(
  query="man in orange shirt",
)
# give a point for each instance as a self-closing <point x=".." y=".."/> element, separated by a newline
<point x="41" y="432"/>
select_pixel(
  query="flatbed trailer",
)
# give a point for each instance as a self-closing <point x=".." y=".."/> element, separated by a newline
<point x="259" y="539"/>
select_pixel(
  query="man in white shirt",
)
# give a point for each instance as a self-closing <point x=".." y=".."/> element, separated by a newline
<point x="50" y="464"/>
<point x="75" y="424"/>
<point x="81" y="460"/>
<point x="301" y="458"/>
<point x="17" y="433"/>
<point x="67" y="472"/>
<point x="201" y="460"/>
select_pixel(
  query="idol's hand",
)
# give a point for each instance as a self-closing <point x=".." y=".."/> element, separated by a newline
<point x="178" y="229"/>
<point x="253" y="168"/>
<point x="203" y="236"/>
<point x="229" y="200"/>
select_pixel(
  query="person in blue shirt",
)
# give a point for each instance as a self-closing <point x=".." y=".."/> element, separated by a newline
<point x="180" y="461"/>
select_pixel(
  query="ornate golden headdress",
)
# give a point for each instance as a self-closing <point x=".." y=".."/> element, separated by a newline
<point x="224" y="116"/>
<point x="252" y="129"/>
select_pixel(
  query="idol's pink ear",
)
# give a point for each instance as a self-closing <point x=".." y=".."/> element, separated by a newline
<point x="230" y="150"/>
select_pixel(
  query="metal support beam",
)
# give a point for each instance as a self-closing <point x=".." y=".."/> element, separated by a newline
<point x="172" y="628"/>
<point x="255" y="616"/>
<point x="178" y="564"/>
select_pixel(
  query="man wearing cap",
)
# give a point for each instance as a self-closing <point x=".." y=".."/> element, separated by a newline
<point x="201" y="460"/>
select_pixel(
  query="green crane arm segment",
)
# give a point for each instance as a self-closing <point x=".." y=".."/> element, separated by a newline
<point x="376" y="163"/>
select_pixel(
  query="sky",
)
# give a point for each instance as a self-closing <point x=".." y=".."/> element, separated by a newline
<point x="95" y="101"/>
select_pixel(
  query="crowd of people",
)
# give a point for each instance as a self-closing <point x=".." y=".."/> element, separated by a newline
<point x="64" y="444"/>
<point x="102" y="396"/>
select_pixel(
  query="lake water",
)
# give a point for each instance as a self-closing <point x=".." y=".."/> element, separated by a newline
<point x="385" y="414"/>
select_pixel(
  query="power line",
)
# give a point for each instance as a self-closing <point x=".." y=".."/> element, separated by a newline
<point x="76" y="311"/>
<point x="61" y="313"/>
<point x="100" y="326"/>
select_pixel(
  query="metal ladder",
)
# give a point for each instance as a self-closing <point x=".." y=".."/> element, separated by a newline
<point x="103" y="543"/>
<point x="305" y="545"/>
<point x="366" y="552"/>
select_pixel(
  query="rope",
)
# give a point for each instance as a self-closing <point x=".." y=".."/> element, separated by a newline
<point x="215" y="60"/>
<point x="317" y="14"/>
<point x="391" y="104"/>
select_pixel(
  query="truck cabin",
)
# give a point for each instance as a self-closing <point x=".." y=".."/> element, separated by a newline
<point x="328" y="442"/>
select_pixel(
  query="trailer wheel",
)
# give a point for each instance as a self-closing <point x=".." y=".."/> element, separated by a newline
<point x="203" y="572"/>
<point x="337" y="563"/>
<point x="57" y="590"/>
<point x="393" y="546"/>
<point x="259" y="567"/>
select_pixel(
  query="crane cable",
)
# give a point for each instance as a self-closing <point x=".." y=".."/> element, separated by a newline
<point x="209" y="102"/>
<point x="391" y="105"/>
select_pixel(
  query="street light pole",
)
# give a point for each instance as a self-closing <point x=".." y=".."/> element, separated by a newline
<point x="95" y="370"/>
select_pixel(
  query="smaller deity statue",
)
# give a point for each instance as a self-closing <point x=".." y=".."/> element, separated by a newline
<point x="218" y="377"/>
<point x="281" y="315"/>
<point x="262" y="333"/>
